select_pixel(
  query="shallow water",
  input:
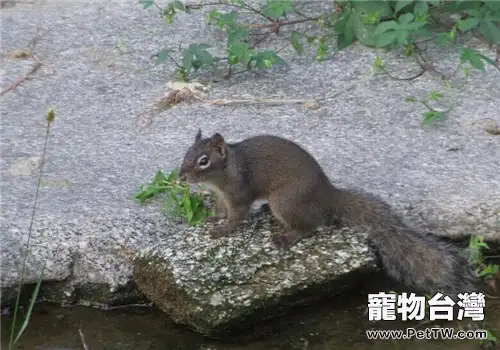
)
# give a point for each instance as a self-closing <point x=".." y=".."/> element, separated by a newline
<point x="335" y="324"/>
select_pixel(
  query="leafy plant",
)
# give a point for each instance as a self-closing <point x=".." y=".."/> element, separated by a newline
<point x="389" y="24"/>
<point x="491" y="339"/>
<point x="487" y="271"/>
<point x="476" y="256"/>
<point x="14" y="339"/>
<point x="382" y="23"/>
<point x="180" y="200"/>
<point x="432" y="114"/>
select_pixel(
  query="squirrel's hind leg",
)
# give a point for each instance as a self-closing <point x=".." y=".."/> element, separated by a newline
<point x="298" y="214"/>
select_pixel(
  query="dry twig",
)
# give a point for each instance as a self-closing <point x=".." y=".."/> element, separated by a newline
<point x="26" y="54"/>
<point x="19" y="81"/>
<point x="82" y="338"/>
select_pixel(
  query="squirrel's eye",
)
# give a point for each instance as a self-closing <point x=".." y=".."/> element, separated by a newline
<point x="203" y="161"/>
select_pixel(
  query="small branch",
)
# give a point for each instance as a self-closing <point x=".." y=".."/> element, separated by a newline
<point x="258" y="100"/>
<point x="406" y="78"/>
<point x="426" y="40"/>
<point x="245" y="6"/>
<point x="248" y="7"/>
<point x="426" y="104"/>
<point x="19" y="81"/>
<point x="282" y="48"/>
<point x="297" y="21"/>
<point x="82" y="338"/>
<point x="231" y="74"/>
<point x="422" y="61"/>
<point x="264" y="37"/>
<point x="278" y="23"/>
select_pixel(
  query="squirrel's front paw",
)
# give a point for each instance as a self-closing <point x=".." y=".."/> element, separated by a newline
<point x="213" y="219"/>
<point x="281" y="242"/>
<point x="289" y="239"/>
<point x="219" y="231"/>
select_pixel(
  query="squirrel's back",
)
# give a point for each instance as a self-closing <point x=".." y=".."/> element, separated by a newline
<point x="271" y="162"/>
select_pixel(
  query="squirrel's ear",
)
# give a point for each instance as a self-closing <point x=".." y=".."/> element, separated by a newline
<point x="198" y="136"/>
<point x="217" y="139"/>
<point x="218" y="143"/>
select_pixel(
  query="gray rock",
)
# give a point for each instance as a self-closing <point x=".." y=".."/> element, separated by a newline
<point x="217" y="286"/>
<point x="98" y="75"/>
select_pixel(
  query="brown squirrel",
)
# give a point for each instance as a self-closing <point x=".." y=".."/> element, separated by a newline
<point x="301" y="196"/>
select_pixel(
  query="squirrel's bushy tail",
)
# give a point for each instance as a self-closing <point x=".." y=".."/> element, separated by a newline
<point x="417" y="259"/>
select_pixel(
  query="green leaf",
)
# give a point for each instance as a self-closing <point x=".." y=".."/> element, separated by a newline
<point x="241" y="52"/>
<point x="421" y="7"/>
<point x="467" y="24"/>
<point x="321" y="50"/>
<point x="187" y="60"/>
<point x="443" y="39"/>
<point x="434" y="2"/>
<point x="162" y="56"/>
<point x="402" y="4"/>
<point x="278" y="8"/>
<point x="349" y="29"/>
<point x="368" y="7"/>
<point x="406" y="18"/>
<point x="195" y="56"/>
<point x="491" y="337"/>
<point x="490" y="32"/>
<point x="435" y="95"/>
<point x="471" y="56"/>
<point x="342" y="42"/>
<point x="173" y="175"/>
<point x="159" y="177"/>
<point x="493" y="5"/>
<point x="204" y="57"/>
<point x="363" y="29"/>
<point x="402" y="36"/>
<point x="237" y="33"/>
<point x="488" y="60"/>
<point x="178" y="5"/>
<point x="310" y="39"/>
<point x="227" y="19"/>
<point x="413" y="26"/>
<point x="386" y="39"/>
<point x="34" y="295"/>
<point x="146" y="3"/>
<point x="295" y="41"/>
<point x="491" y="269"/>
<point x="267" y="59"/>
<point x="431" y="116"/>
<point x="386" y="26"/>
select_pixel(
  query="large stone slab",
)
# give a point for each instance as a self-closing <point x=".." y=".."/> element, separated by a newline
<point x="98" y="75"/>
<point x="218" y="286"/>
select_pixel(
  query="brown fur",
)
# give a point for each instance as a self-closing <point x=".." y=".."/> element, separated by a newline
<point x="302" y="197"/>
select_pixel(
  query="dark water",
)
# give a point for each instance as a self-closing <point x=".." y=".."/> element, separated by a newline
<point x="335" y="324"/>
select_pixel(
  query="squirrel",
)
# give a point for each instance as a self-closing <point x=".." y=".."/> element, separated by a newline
<point x="301" y="196"/>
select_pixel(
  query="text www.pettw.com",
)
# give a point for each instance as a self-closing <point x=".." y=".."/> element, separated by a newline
<point x="427" y="333"/>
